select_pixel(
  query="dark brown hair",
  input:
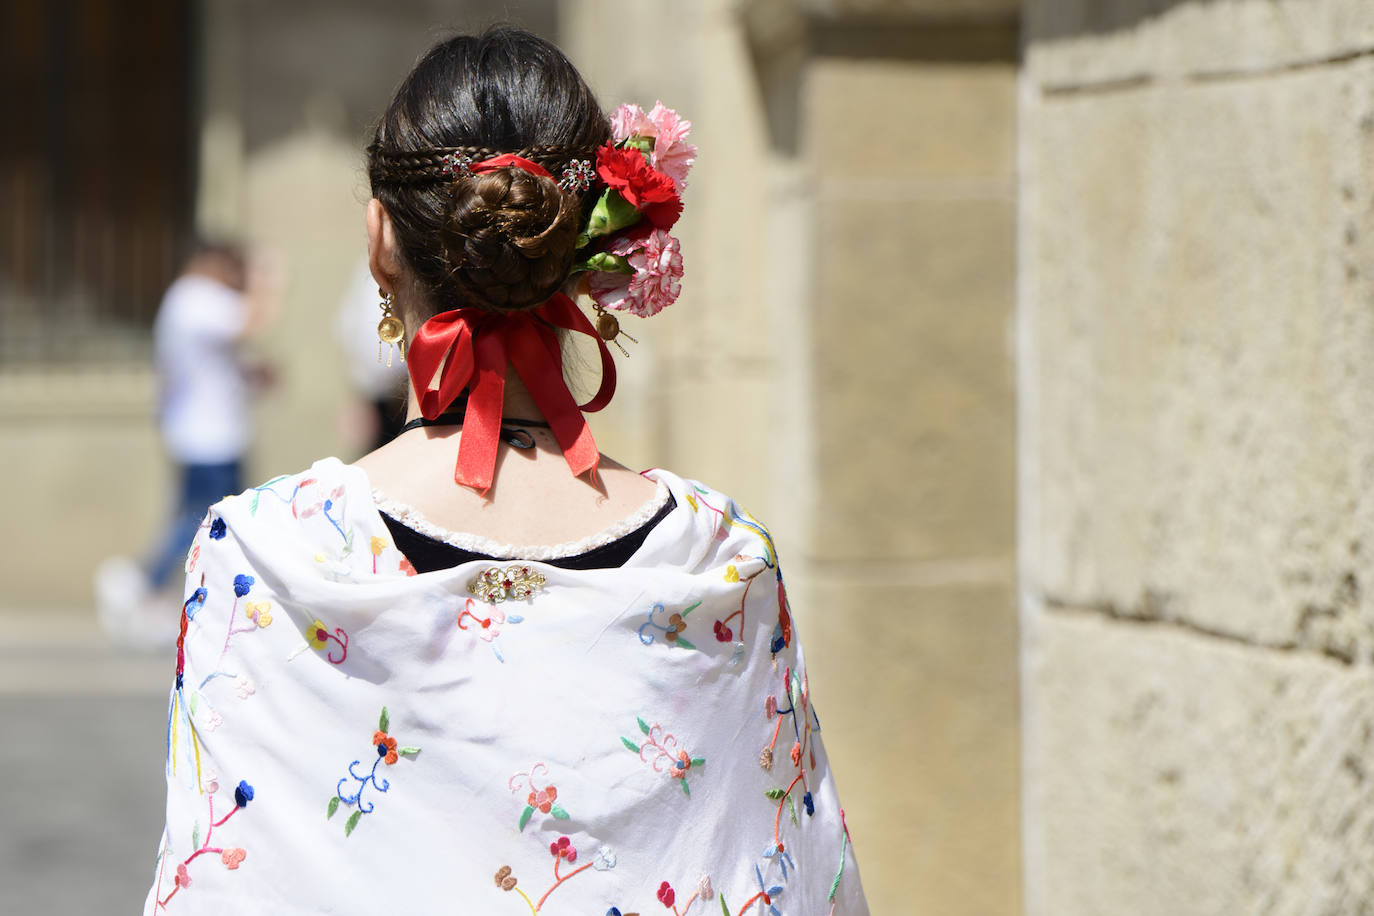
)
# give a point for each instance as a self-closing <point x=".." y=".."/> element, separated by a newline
<point x="501" y="240"/>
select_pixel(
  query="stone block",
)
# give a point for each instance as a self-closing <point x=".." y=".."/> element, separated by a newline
<point x="1196" y="282"/>
<point x="1174" y="773"/>
<point x="953" y="121"/>
<point x="76" y="491"/>
<point x="916" y="689"/>
<point x="1073" y="44"/>
<point x="914" y="410"/>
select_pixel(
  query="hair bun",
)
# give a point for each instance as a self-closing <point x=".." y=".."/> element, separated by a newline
<point x="508" y="237"/>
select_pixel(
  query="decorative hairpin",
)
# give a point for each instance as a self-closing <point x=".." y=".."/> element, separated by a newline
<point x="577" y="175"/>
<point x="455" y="166"/>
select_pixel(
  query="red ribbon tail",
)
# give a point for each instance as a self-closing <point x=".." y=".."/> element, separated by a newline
<point x="482" y="421"/>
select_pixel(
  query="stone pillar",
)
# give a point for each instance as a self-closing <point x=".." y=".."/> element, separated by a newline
<point x="840" y="363"/>
<point x="1197" y="383"/>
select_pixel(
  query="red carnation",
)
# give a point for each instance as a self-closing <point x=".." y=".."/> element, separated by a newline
<point x="627" y="172"/>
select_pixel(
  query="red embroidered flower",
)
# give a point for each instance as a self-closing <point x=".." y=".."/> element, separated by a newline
<point x="386" y="747"/>
<point x="796" y="754"/>
<point x="543" y="799"/>
<point x="563" y="848"/>
<point x="723" y="633"/>
<point x="232" y="857"/>
<point x="666" y="895"/>
<point x="627" y="172"/>
<point x="183" y="879"/>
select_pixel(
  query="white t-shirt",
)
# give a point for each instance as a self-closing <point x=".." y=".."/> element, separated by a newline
<point x="204" y="396"/>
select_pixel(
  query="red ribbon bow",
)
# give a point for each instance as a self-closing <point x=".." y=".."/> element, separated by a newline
<point x="471" y="347"/>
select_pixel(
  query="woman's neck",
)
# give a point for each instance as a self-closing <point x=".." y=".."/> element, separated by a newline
<point x="518" y="402"/>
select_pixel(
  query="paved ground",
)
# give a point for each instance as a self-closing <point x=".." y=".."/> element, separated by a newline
<point x="81" y="758"/>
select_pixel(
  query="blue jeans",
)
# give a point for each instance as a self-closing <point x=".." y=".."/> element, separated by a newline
<point x="201" y="485"/>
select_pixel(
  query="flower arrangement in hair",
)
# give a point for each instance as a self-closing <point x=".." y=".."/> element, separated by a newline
<point x="634" y="264"/>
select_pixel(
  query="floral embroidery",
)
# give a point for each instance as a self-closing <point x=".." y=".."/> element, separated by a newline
<point x="495" y="584"/>
<point x="217" y="529"/>
<point x="539" y="799"/>
<point x="180" y="711"/>
<point x="260" y="612"/>
<point x="839" y="872"/>
<point x="663" y="750"/>
<point x="378" y="545"/>
<point x="672" y="629"/>
<point x="318" y="636"/>
<point x="386" y="752"/>
<point x="244" y="687"/>
<point x="489" y="627"/>
<point x="230" y="856"/>
<point x="562" y="851"/>
<point x="668" y="897"/>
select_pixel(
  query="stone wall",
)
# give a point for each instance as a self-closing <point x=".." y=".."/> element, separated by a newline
<point x="840" y="363"/>
<point x="1196" y="387"/>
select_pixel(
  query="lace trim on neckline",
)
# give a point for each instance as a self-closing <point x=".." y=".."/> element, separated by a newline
<point x="413" y="519"/>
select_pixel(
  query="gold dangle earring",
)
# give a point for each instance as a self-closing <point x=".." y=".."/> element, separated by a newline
<point x="390" y="331"/>
<point x="608" y="326"/>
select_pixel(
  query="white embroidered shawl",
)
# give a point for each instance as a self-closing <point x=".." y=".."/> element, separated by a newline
<point x="347" y="737"/>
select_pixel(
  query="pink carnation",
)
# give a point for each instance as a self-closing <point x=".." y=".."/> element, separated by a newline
<point x="656" y="282"/>
<point x="672" y="155"/>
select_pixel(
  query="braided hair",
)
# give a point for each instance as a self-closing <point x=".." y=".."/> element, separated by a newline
<point x="501" y="240"/>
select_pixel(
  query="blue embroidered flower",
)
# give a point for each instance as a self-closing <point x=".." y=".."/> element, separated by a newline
<point x="243" y="794"/>
<point x="613" y="911"/>
<point x="242" y="584"/>
<point x="194" y="603"/>
<point x="809" y="803"/>
<point x="217" y="529"/>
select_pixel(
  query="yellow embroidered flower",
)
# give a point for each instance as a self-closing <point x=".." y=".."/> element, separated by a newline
<point x="317" y="633"/>
<point x="260" y="612"/>
<point x="378" y="545"/>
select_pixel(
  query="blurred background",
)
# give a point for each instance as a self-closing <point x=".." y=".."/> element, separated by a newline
<point x="1039" y="331"/>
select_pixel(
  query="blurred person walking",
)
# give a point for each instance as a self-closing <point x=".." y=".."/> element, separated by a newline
<point x="204" y="385"/>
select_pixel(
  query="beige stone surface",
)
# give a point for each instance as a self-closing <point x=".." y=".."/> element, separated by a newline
<point x="82" y="477"/>
<point x="1189" y="775"/>
<point x="917" y="697"/>
<point x="915" y="415"/>
<point x="1072" y="44"/>
<point x="954" y="122"/>
<point x="1196" y="280"/>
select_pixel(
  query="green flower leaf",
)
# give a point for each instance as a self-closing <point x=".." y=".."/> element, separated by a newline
<point x="384" y="723"/>
<point x="558" y="813"/>
<point x="352" y="822"/>
<point x="698" y="761"/>
<point x="685" y="790"/>
<point x="195" y="836"/>
<point x="684" y="643"/>
<point x="793" y="809"/>
<point x="643" y="726"/>
<point x="192" y="703"/>
<point x="333" y="806"/>
<point x="409" y="750"/>
<point x="723" y="908"/>
<point x="693" y="607"/>
<point x="606" y="262"/>
<point x="611" y="214"/>
<point x="775" y="794"/>
<point x="525" y="816"/>
<point x="634" y="748"/>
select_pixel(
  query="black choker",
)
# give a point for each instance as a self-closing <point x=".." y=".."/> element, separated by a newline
<point x="511" y="432"/>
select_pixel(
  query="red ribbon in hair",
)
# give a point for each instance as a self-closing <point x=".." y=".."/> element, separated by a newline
<point x="469" y="348"/>
<point x="509" y="160"/>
